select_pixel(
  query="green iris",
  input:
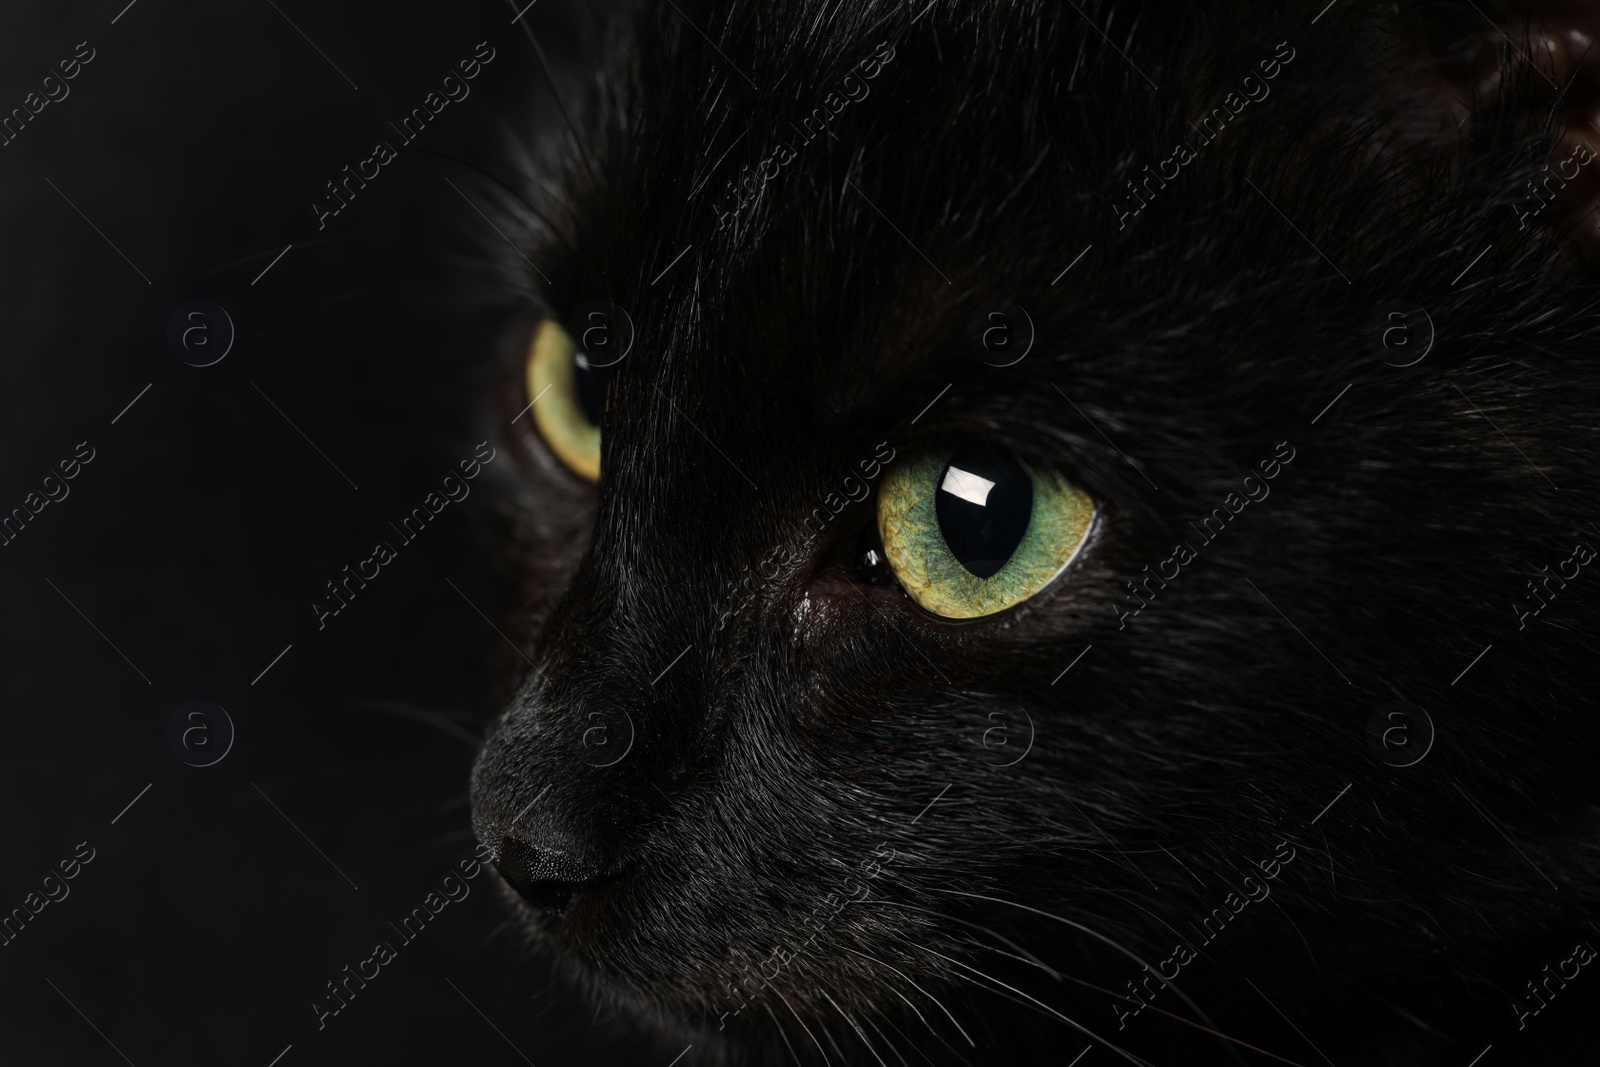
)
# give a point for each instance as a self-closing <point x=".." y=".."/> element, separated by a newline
<point x="973" y="532"/>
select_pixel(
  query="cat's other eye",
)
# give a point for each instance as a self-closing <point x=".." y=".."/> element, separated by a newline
<point x="565" y="398"/>
<point x="971" y="532"/>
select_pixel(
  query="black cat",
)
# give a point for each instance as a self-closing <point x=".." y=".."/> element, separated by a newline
<point x="1048" y="532"/>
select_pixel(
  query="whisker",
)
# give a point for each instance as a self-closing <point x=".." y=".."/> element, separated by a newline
<point x="1159" y="1011"/>
<point x="1084" y="1030"/>
<point x="854" y="1027"/>
<point x="1134" y="903"/>
<point x="1092" y="933"/>
<point x="807" y="1029"/>
<point x="895" y="991"/>
<point x="890" y="1044"/>
<point x="561" y="105"/>
<point x="437" y="720"/>
<point x="781" y="1031"/>
<point x="924" y="992"/>
<point x="1051" y="971"/>
<point x="516" y="195"/>
<point x="913" y="1045"/>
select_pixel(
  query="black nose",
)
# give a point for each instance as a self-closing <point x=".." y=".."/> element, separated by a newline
<point x="546" y="877"/>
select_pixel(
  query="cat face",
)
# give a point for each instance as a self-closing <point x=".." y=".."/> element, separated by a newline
<point x="906" y="298"/>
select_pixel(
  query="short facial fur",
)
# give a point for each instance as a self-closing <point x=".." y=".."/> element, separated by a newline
<point x="811" y="851"/>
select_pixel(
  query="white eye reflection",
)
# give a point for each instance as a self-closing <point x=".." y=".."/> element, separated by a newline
<point x="967" y="486"/>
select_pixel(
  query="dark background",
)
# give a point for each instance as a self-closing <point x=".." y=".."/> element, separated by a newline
<point x="188" y="552"/>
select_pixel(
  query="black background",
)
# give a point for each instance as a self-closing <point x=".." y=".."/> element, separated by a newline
<point x="189" y="550"/>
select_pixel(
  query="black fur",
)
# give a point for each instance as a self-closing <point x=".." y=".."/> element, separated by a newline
<point x="828" y="725"/>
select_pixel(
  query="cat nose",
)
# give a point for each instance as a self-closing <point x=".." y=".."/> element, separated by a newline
<point x="545" y="876"/>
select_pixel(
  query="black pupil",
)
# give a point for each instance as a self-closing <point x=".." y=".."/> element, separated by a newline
<point x="588" y="389"/>
<point x="983" y="503"/>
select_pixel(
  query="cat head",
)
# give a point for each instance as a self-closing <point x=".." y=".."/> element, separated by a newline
<point x="816" y="313"/>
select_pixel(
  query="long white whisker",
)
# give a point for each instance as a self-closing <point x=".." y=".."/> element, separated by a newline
<point x="893" y="990"/>
<point x="913" y="1045"/>
<point x="1092" y="933"/>
<point x="859" y="1033"/>
<point x="1234" y="1044"/>
<point x="782" y="1033"/>
<point x="1037" y="962"/>
<point x="1084" y="1030"/>
<point x="807" y="1029"/>
<point x="868" y="1020"/>
<point x="925" y="993"/>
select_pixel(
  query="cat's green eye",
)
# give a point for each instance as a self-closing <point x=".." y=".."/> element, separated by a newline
<point x="566" y="402"/>
<point x="972" y="532"/>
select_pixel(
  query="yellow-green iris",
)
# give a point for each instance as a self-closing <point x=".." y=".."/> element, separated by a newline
<point x="558" y="409"/>
<point x="971" y="534"/>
